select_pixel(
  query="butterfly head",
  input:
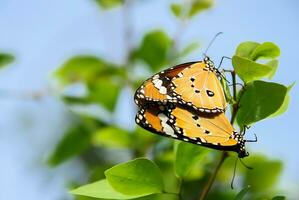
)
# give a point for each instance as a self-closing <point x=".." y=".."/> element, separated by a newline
<point x="209" y="63"/>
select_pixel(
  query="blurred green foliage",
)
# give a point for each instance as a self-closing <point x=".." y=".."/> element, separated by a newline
<point x="175" y="170"/>
<point x="5" y="59"/>
<point x="195" y="7"/>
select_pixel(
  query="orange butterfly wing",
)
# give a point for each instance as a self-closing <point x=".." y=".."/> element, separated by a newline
<point x="155" y="89"/>
<point x="199" y="87"/>
<point x="214" y="131"/>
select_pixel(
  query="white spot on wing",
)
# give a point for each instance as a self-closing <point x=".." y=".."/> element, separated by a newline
<point x="166" y="128"/>
<point x="163" y="90"/>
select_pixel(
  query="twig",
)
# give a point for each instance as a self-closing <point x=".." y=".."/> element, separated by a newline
<point x="211" y="180"/>
<point x="224" y="155"/>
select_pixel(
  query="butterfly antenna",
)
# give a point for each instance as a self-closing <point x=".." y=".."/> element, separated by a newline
<point x="234" y="174"/>
<point x="211" y="42"/>
<point x="245" y="164"/>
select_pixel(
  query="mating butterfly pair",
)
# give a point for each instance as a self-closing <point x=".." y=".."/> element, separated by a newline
<point x="187" y="102"/>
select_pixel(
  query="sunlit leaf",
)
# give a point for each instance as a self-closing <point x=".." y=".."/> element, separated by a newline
<point x="266" y="50"/>
<point x="242" y="193"/>
<point x="108" y="4"/>
<point x="254" y="51"/>
<point x="196" y="7"/>
<point x="176" y="9"/>
<point x="187" y="156"/>
<point x="113" y="137"/>
<point x="259" y="101"/>
<point x="154" y="49"/>
<point x="274" y="65"/>
<point x="136" y="177"/>
<point x="247" y="53"/>
<point x="284" y="107"/>
<point x="264" y="175"/>
<point x="101" y="189"/>
<point x="83" y="68"/>
<point x="249" y="70"/>
<point x="75" y="141"/>
<point x="199" y="6"/>
<point x="6" y="59"/>
<point x="245" y="49"/>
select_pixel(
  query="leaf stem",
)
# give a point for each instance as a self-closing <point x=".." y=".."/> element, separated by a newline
<point x="224" y="155"/>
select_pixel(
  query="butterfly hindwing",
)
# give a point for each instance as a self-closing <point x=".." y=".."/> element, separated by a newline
<point x="214" y="131"/>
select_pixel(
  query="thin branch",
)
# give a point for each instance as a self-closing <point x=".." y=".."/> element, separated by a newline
<point x="29" y="95"/>
<point x="212" y="178"/>
<point x="235" y="105"/>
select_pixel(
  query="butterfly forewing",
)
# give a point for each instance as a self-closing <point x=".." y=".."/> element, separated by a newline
<point x="156" y="88"/>
<point x="199" y="87"/>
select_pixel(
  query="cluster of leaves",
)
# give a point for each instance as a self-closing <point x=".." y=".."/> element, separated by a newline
<point x="90" y="87"/>
<point x="258" y="99"/>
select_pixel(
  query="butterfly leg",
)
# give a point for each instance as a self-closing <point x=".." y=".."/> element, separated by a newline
<point x="255" y="140"/>
<point x="221" y="61"/>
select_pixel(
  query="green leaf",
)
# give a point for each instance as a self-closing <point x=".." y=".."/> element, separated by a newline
<point x="266" y="50"/>
<point x="199" y="6"/>
<point x="101" y="189"/>
<point x="81" y="68"/>
<point x="75" y="141"/>
<point x="279" y="198"/>
<point x="242" y="193"/>
<point x="187" y="155"/>
<point x="284" y="107"/>
<point x="254" y="51"/>
<point x="245" y="49"/>
<point x="112" y="137"/>
<point x="249" y="70"/>
<point x="176" y="9"/>
<point x="274" y="65"/>
<point x="154" y="49"/>
<point x="136" y="177"/>
<point x="6" y="59"/>
<point x="108" y="4"/>
<point x="259" y="100"/>
<point x="196" y="7"/>
<point x="105" y="92"/>
<point x="264" y="175"/>
<point x="165" y="196"/>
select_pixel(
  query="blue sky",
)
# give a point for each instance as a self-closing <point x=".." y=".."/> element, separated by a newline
<point x="44" y="34"/>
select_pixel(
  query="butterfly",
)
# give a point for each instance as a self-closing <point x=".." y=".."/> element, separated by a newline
<point x="194" y="84"/>
<point x="180" y="122"/>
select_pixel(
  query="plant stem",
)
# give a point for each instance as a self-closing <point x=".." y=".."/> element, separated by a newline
<point x="236" y="104"/>
<point x="211" y="180"/>
<point x="224" y="155"/>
